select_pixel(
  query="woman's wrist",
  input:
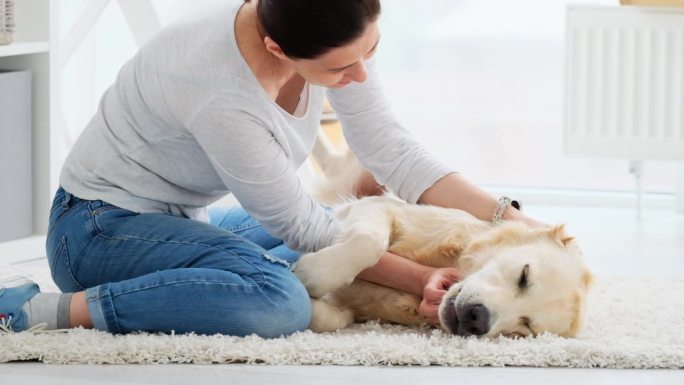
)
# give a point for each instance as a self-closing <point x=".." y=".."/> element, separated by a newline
<point x="513" y="214"/>
<point x="421" y="275"/>
<point x="425" y="274"/>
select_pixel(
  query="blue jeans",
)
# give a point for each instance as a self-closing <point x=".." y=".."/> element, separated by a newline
<point x="162" y="273"/>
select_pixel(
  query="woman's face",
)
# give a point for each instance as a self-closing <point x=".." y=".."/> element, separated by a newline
<point x="343" y="65"/>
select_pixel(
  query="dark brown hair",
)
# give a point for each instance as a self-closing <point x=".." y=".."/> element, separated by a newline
<point x="307" y="29"/>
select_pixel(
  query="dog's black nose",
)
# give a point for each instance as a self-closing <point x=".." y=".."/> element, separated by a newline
<point x="473" y="320"/>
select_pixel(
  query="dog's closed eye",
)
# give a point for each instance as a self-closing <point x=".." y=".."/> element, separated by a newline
<point x="527" y="323"/>
<point x="522" y="281"/>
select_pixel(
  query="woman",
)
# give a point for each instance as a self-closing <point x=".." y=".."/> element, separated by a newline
<point x="228" y="101"/>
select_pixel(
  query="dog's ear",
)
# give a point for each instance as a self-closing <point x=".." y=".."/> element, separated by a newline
<point x="558" y="234"/>
<point x="587" y="279"/>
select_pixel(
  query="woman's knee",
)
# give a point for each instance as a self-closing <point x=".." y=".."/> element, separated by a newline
<point x="279" y="307"/>
<point x="300" y="306"/>
<point x="291" y="311"/>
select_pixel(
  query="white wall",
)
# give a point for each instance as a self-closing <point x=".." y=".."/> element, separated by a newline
<point x="479" y="82"/>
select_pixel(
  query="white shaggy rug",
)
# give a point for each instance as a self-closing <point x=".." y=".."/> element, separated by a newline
<point x="630" y="324"/>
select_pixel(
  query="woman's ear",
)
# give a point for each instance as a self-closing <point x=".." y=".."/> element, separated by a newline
<point x="274" y="49"/>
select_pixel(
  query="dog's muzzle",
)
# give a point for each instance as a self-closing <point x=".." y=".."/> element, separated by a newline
<point x="466" y="320"/>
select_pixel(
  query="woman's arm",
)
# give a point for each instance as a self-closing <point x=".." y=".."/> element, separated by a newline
<point x="399" y="273"/>
<point x="426" y="282"/>
<point x="455" y="191"/>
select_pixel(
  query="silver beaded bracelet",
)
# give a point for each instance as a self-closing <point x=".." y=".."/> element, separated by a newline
<point x="501" y="207"/>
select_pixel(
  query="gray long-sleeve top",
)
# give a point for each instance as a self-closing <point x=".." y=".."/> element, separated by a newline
<point x="186" y="122"/>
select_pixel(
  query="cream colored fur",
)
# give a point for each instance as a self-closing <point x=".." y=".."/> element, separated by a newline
<point x="492" y="259"/>
<point x="340" y="172"/>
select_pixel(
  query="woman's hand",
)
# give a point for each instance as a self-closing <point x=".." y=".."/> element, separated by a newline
<point x="410" y="277"/>
<point x="366" y="186"/>
<point x="435" y="285"/>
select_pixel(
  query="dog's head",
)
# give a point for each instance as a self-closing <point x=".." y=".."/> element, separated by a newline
<point x="519" y="282"/>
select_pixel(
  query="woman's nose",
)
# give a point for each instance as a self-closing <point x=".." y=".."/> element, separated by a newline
<point x="358" y="72"/>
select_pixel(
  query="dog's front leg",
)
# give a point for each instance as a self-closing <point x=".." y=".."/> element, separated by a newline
<point x="337" y="265"/>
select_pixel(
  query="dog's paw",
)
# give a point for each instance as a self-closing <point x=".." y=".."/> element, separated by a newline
<point x="335" y="266"/>
<point x="326" y="317"/>
<point x="319" y="276"/>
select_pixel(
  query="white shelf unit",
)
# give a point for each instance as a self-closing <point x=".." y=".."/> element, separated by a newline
<point x="47" y="36"/>
<point x="24" y="48"/>
<point x="31" y="51"/>
<point x="22" y="250"/>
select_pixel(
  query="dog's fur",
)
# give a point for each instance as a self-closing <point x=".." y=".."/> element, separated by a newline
<point x="518" y="281"/>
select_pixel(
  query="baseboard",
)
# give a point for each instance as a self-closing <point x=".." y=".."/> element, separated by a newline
<point x="22" y="250"/>
<point x="605" y="199"/>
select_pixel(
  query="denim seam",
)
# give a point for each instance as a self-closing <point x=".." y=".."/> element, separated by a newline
<point x="275" y="259"/>
<point x="261" y="272"/>
<point x="66" y="200"/>
<point x="61" y="217"/>
<point x="108" y="313"/>
<point x="176" y="283"/>
<point x="54" y="208"/>
<point x="67" y="262"/>
<point x="103" y="209"/>
<point x="243" y="227"/>
<point x="93" y="298"/>
<point x="58" y="251"/>
<point x="268" y="297"/>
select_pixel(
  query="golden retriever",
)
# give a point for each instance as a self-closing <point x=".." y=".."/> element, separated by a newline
<point x="518" y="281"/>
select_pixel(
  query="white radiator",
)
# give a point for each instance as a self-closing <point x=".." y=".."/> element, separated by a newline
<point x="624" y="94"/>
